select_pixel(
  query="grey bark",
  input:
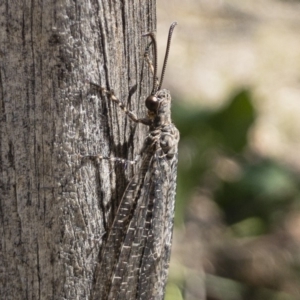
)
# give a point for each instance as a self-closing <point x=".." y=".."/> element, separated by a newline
<point x="55" y="207"/>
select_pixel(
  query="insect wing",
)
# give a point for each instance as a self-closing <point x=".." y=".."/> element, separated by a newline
<point x="141" y="271"/>
<point x="119" y="230"/>
<point x="156" y="256"/>
<point x="126" y="271"/>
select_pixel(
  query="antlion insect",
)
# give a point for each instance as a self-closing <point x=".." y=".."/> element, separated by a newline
<point x="135" y="258"/>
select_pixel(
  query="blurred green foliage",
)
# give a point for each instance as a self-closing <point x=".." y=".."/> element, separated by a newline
<point x="262" y="191"/>
<point x="253" y="193"/>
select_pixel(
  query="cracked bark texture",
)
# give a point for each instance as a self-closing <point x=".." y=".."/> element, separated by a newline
<point x="54" y="207"/>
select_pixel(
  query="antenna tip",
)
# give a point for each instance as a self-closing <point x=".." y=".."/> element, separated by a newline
<point x="173" y="25"/>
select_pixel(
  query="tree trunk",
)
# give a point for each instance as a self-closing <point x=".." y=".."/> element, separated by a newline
<point x="54" y="207"/>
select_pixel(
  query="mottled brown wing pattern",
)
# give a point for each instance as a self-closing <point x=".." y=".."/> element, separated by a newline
<point x="139" y="270"/>
<point x="119" y="235"/>
<point x="156" y="254"/>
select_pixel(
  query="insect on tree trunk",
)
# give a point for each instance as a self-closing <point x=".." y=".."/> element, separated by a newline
<point x="54" y="207"/>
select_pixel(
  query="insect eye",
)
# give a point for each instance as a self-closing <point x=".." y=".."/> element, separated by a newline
<point x="152" y="103"/>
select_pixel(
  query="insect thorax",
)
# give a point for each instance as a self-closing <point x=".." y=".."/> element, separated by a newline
<point x="163" y="114"/>
<point x="163" y="134"/>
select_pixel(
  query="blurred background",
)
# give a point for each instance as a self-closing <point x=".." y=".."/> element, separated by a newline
<point x="234" y="74"/>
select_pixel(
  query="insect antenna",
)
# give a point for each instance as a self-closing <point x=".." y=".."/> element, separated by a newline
<point x="152" y="36"/>
<point x="152" y="101"/>
<point x="167" y="54"/>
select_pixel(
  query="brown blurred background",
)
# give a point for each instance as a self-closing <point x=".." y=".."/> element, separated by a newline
<point x="234" y="74"/>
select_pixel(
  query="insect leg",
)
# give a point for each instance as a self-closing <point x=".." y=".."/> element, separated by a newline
<point x="112" y="159"/>
<point x="132" y="116"/>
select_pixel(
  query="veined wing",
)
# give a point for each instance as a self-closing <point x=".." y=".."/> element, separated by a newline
<point x="141" y="270"/>
<point x="156" y="256"/>
<point x="110" y="254"/>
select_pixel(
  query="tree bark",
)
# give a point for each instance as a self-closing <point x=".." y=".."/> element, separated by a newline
<point x="54" y="207"/>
